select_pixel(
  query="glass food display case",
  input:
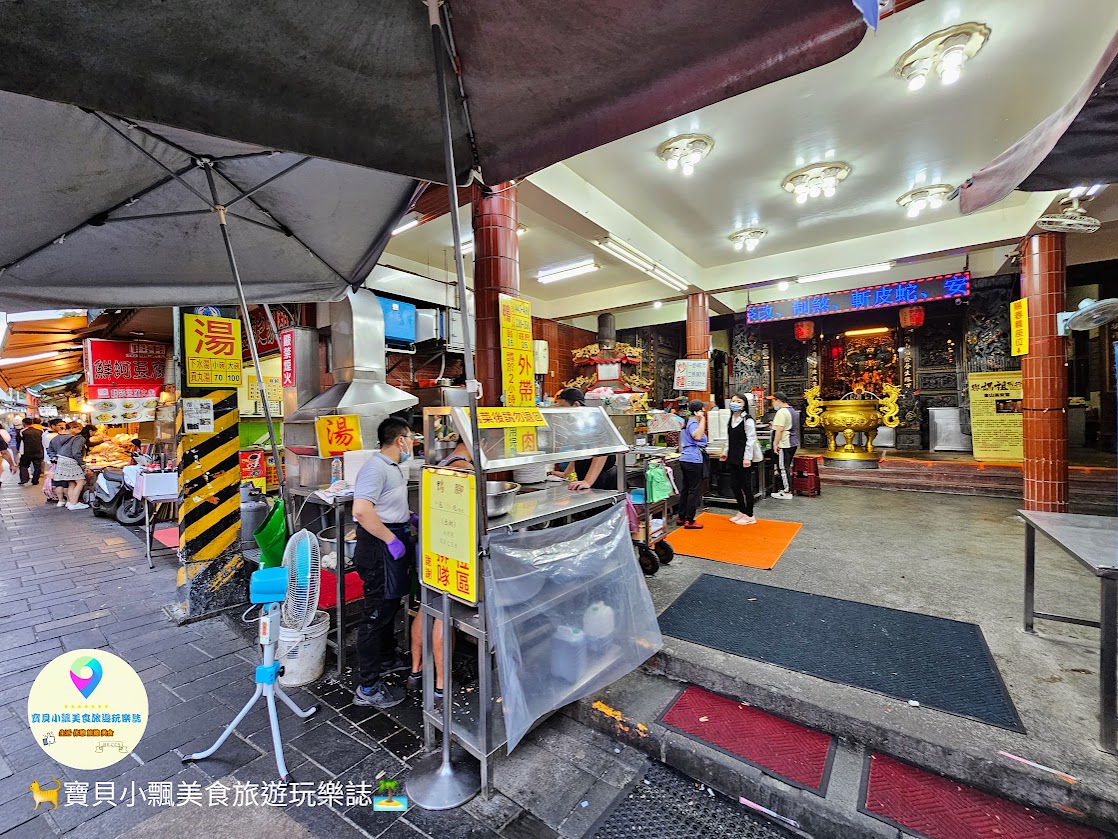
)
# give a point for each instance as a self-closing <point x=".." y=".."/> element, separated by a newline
<point x="569" y="434"/>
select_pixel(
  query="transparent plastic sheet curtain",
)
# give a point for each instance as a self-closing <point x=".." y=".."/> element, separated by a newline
<point x="569" y="613"/>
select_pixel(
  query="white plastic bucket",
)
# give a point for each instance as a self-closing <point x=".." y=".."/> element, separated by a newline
<point x="303" y="654"/>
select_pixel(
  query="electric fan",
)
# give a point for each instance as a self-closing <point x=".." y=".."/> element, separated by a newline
<point x="288" y="594"/>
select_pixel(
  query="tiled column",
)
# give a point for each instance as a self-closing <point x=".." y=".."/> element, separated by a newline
<point x="496" y="272"/>
<point x="698" y="335"/>
<point x="1044" y="375"/>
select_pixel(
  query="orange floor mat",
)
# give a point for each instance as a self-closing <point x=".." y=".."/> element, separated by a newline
<point x="757" y="545"/>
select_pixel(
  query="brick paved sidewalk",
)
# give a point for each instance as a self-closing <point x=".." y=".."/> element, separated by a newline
<point x="72" y="581"/>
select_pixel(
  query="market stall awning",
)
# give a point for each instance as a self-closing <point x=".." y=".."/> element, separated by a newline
<point x="37" y="351"/>
<point x="102" y="212"/>
<point x="354" y="80"/>
<point x="1075" y="146"/>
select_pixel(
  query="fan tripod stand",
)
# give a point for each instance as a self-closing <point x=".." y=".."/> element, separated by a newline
<point x="266" y="675"/>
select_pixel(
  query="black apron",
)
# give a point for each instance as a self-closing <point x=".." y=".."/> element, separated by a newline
<point x="372" y="554"/>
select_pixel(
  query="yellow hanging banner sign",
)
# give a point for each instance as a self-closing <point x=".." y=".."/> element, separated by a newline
<point x="1019" y="326"/>
<point x="448" y="532"/>
<point x="338" y="434"/>
<point x="517" y="365"/>
<point x="509" y="417"/>
<point x="213" y="351"/>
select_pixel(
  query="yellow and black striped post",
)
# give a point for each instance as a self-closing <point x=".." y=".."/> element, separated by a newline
<point x="212" y="572"/>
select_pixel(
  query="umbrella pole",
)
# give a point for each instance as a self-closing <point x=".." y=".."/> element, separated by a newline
<point x="251" y="346"/>
<point x="439" y="782"/>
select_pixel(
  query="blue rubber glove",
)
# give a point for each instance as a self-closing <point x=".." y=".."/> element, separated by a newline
<point x="414" y="520"/>
<point x="397" y="549"/>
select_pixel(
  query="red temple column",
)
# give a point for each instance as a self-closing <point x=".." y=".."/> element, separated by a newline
<point x="698" y="335"/>
<point x="1044" y="378"/>
<point x="496" y="272"/>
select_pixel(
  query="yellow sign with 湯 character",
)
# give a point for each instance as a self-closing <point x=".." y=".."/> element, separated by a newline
<point x="212" y="349"/>
<point x="1019" y="326"/>
<point x="517" y="365"/>
<point x="338" y="434"/>
<point x="448" y="532"/>
<point x="509" y="417"/>
<point x="995" y="416"/>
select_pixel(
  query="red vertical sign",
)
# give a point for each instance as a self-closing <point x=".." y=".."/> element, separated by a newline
<point x="287" y="358"/>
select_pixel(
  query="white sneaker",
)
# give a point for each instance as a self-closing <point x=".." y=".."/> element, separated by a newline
<point x="783" y="496"/>
<point x="78" y="506"/>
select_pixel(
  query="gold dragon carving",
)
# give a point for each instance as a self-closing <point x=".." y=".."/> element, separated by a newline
<point x="888" y="406"/>
<point x="814" y="409"/>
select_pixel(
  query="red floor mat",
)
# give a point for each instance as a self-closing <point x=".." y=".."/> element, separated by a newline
<point x="797" y="755"/>
<point x="929" y="805"/>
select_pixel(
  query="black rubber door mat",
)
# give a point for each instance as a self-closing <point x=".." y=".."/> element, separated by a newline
<point x="944" y="664"/>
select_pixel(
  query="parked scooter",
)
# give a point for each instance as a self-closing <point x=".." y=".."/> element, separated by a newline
<point x="112" y="496"/>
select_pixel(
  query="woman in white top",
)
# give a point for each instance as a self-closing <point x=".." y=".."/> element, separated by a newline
<point x="741" y="432"/>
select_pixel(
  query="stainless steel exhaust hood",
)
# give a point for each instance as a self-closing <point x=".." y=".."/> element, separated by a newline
<point x="357" y="361"/>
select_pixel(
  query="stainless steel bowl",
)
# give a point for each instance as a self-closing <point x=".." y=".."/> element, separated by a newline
<point x="330" y="537"/>
<point x="499" y="497"/>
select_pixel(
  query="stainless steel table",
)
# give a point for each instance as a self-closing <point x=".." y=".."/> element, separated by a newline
<point x="1093" y="540"/>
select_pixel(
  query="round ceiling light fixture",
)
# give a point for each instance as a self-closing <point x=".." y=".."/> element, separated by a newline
<point x="944" y="52"/>
<point x="916" y="201"/>
<point x="816" y="179"/>
<point x="685" y="152"/>
<point x="748" y="239"/>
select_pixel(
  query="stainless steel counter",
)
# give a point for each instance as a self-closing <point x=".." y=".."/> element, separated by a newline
<point x="538" y="505"/>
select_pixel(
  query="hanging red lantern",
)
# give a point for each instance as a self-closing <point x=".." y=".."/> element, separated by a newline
<point x="912" y="317"/>
<point x="804" y="330"/>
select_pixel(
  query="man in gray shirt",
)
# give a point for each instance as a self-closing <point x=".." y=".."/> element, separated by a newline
<point x="383" y="557"/>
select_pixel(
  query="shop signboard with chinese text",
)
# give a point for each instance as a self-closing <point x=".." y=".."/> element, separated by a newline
<point x="449" y="532"/>
<point x="124" y="379"/>
<point x="284" y="316"/>
<point x="287" y="358"/>
<point x="906" y="293"/>
<point x="995" y="416"/>
<point x="1019" y="326"/>
<point x="212" y="349"/>
<point x="517" y="364"/>
<point x="520" y="426"/>
<point x="691" y="374"/>
<point x="338" y="434"/>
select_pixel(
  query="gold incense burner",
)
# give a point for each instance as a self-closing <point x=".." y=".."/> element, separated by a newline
<point x="850" y="417"/>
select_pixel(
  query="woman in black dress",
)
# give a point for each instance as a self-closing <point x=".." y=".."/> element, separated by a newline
<point x="742" y="434"/>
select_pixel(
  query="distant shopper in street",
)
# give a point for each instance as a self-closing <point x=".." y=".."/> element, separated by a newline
<point x="69" y="468"/>
<point x="31" y="454"/>
<point x="786" y="439"/>
<point x="692" y="445"/>
<point x="6" y="449"/>
<point x="53" y="426"/>
<point x="742" y="436"/>
<point x="383" y="556"/>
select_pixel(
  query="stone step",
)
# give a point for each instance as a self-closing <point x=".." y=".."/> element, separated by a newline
<point x="629" y="709"/>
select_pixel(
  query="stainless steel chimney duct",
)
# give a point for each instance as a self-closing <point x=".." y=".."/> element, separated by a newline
<point x="607" y="333"/>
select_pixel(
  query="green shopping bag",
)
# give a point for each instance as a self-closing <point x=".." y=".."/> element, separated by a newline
<point x="271" y="536"/>
<point x="656" y="484"/>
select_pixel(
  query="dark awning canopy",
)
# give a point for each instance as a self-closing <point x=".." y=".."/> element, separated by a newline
<point x="353" y="80"/>
<point x="1076" y="146"/>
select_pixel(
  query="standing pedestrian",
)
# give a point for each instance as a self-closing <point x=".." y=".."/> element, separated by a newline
<point x="741" y="433"/>
<point x="6" y="449"/>
<point x="69" y="468"/>
<point x="31" y="453"/>
<point x="786" y="439"/>
<point x="692" y="445"/>
<point x="383" y="557"/>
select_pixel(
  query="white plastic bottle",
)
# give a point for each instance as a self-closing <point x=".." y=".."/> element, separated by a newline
<point x="337" y="470"/>
<point x="597" y="624"/>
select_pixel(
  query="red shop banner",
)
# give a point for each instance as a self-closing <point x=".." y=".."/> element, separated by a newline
<point x="124" y="378"/>
<point x="261" y="330"/>
<point x="287" y="358"/>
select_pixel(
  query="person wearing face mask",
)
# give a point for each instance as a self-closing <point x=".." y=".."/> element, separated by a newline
<point x="742" y="436"/>
<point x="692" y="445"/>
<point x="383" y="557"/>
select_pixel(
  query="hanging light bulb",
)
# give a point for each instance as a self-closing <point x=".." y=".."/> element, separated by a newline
<point x="830" y="182"/>
<point x="917" y="80"/>
<point x="694" y="157"/>
<point x="751" y="244"/>
<point x="920" y="204"/>
<point x="951" y="65"/>
<point x="801" y="189"/>
<point x="828" y="192"/>
<point x="801" y="198"/>
<point x="913" y="211"/>
<point x="935" y="202"/>
<point x="814" y="191"/>
<point x="673" y="162"/>
<point x="688" y="168"/>
<point x="739" y="245"/>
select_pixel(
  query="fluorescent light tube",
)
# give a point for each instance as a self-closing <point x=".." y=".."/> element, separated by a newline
<point x="846" y="272"/>
<point x="568" y="272"/>
<point x="25" y="358"/>
<point x="468" y="247"/>
<point x="406" y="226"/>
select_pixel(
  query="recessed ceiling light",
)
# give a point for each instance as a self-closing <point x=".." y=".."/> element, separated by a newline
<point x="783" y="285"/>
<point x="945" y="52"/>
<point x="816" y="179"/>
<point x="915" y="201"/>
<point x="685" y="152"/>
<point x="576" y="270"/>
<point x="748" y="239"/>
<point x="657" y="305"/>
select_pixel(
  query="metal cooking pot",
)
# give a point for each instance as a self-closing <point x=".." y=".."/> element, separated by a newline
<point x="499" y="497"/>
<point x="330" y="536"/>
